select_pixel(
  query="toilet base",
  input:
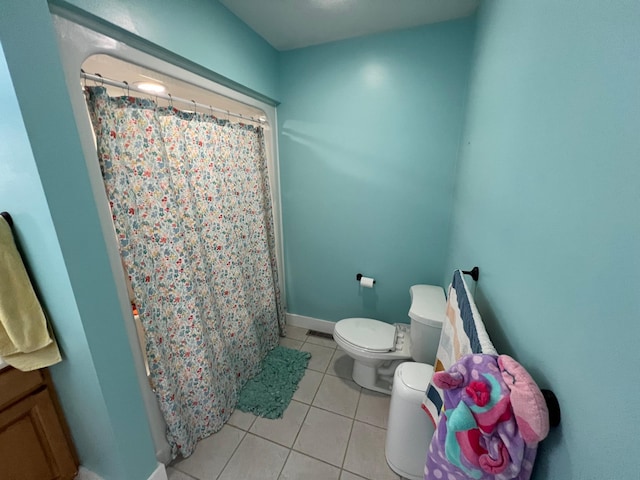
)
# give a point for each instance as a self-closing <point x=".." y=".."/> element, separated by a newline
<point x="378" y="378"/>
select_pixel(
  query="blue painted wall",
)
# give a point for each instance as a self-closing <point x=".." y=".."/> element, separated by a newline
<point x="203" y="31"/>
<point x="369" y="133"/>
<point x="96" y="381"/>
<point x="44" y="184"/>
<point x="547" y="204"/>
<point x="21" y="194"/>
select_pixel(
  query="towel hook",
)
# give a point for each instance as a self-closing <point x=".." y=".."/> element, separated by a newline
<point x="553" y="406"/>
<point x="7" y="217"/>
<point x="474" y="272"/>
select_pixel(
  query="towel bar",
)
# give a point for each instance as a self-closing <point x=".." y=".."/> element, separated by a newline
<point x="553" y="406"/>
<point x="474" y="272"/>
<point x="7" y="217"/>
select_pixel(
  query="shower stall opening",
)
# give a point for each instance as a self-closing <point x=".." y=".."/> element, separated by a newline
<point x="180" y="226"/>
<point x="190" y="200"/>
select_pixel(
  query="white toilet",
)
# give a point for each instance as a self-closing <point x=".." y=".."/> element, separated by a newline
<point x="377" y="348"/>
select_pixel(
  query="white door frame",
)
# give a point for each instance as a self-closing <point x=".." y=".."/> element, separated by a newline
<point x="76" y="44"/>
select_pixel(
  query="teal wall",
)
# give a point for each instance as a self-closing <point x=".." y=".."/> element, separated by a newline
<point x="96" y="381"/>
<point x="44" y="184"/>
<point x="202" y="31"/>
<point x="21" y="194"/>
<point x="545" y="197"/>
<point x="547" y="201"/>
<point x="369" y="132"/>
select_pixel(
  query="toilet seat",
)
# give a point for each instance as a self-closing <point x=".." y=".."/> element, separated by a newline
<point x="367" y="335"/>
<point x="377" y="341"/>
<point x="377" y="348"/>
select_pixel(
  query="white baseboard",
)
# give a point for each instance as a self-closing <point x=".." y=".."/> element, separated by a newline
<point x="324" y="326"/>
<point x="86" y="474"/>
<point x="160" y="473"/>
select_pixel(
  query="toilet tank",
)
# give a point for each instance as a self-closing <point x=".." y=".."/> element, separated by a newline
<point x="427" y="312"/>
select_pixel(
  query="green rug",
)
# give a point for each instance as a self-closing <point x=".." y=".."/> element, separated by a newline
<point x="268" y="393"/>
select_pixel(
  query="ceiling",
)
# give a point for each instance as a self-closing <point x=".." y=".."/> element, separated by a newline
<point x="289" y="24"/>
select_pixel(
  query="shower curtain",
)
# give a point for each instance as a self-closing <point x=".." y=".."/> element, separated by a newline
<point x="191" y="207"/>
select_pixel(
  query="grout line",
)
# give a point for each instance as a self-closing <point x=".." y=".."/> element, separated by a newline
<point x="184" y="473"/>
<point x="353" y="422"/>
<point x="316" y="458"/>
<point x="233" y="453"/>
<point x="301" y="426"/>
<point x="344" y="455"/>
<point x="285" y="463"/>
<point x="340" y="415"/>
<point x="317" y="390"/>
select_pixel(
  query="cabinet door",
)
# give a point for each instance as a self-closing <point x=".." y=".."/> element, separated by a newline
<point x="32" y="443"/>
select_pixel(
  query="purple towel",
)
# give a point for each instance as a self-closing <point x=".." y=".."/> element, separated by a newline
<point x="481" y="434"/>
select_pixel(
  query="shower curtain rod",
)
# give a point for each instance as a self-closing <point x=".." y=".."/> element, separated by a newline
<point x="165" y="96"/>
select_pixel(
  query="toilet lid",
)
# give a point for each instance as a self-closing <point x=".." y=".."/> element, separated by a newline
<point x="368" y="334"/>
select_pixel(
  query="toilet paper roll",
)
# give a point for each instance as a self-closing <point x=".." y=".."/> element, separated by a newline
<point x="367" y="282"/>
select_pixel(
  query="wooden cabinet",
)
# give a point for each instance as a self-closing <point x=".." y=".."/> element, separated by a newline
<point x="34" y="440"/>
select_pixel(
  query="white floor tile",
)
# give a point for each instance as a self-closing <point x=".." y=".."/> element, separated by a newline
<point x="173" y="474"/>
<point x="300" y="466"/>
<point x="341" y="365"/>
<point x="290" y="343"/>
<point x="324" y="342"/>
<point x="242" y="420"/>
<point x="255" y="459"/>
<point x="320" y="356"/>
<point x="373" y="408"/>
<point x="365" y="454"/>
<point x="350" y="476"/>
<point x="338" y="395"/>
<point x="308" y="386"/>
<point x="324" y="435"/>
<point x="211" y="454"/>
<point x="297" y="333"/>
<point x="282" y="430"/>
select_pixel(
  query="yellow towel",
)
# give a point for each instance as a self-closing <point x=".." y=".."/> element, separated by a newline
<point x="26" y="342"/>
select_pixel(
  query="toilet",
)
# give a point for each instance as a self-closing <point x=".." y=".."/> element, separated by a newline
<point x="377" y="348"/>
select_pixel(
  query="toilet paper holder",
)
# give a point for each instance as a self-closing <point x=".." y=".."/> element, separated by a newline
<point x="359" y="277"/>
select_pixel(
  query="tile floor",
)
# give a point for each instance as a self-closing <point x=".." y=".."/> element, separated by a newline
<point x="332" y="430"/>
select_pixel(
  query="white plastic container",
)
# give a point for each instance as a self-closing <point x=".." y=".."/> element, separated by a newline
<point x="409" y="429"/>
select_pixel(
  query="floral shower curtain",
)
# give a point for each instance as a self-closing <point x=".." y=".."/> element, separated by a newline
<point x="191" y="206"/>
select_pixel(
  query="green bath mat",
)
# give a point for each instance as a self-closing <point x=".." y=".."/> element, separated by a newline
<point x="268" y="394"/>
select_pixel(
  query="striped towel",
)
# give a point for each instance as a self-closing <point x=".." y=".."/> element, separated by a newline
<point x="462" y="333"/>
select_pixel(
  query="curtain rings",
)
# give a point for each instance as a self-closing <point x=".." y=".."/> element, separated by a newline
<point x="128" y="92"/>
<point x="100" y="76"/>
<point x="170" y="101"/>
<point x="194" y="106"/>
